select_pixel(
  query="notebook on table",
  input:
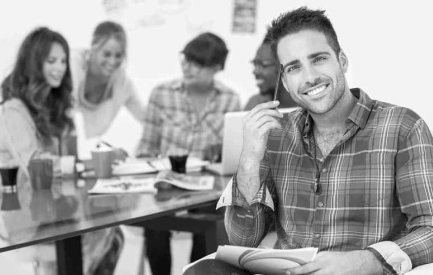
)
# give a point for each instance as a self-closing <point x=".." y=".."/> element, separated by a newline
<point x="232" y="143"/>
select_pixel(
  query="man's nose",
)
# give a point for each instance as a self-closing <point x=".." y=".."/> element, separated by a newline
<point x="311" y="75"/>
<point x="256" y="69"/>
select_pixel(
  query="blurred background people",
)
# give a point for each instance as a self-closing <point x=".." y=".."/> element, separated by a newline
<point x="187" y="114"/>
<point x="100" y="83"/>
<point x="36" y="100"/>
<point x="266" y="74"/>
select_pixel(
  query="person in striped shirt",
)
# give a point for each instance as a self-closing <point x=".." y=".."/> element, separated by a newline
<point x="345" y="173"/>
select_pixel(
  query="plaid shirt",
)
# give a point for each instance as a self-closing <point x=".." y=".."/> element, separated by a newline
<point x="376" y="185"/>
<point x="171" y="120"/>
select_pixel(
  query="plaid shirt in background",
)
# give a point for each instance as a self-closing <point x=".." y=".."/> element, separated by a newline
<point x="376" y="186"/>
<point x="171" y="120"/>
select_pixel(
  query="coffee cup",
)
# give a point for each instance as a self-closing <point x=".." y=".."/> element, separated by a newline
<point x="41" y="173"/>
<point x="102" y="159"/>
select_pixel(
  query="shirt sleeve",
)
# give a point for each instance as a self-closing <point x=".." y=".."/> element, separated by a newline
<point x="134" y="104"/>
<point x="21" y="140"/>
<point x="414" y="183"/>
<point x="149" y="143"/>
<point x="235" y="104"/>
<point x="247" y="224"/>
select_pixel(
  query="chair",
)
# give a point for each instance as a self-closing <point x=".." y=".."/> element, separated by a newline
<point x="209" y="224"/>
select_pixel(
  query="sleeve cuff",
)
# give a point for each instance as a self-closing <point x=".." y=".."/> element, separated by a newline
<point x="229" y="197"/>
<point x="390" y="254"/>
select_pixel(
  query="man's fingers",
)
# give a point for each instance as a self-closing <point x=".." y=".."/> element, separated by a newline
<point x="303" y="269"/>
<point x="262" y="106"/>
<point x="266" y="112"/>
<point x="267" y="123"/>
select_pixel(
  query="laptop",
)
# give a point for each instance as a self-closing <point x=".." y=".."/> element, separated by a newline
<point x="232" y="143"/>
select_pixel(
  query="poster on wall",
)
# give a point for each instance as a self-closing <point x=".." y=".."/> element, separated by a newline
<point x="244" y="16"/>
<point x="138" y="14"/>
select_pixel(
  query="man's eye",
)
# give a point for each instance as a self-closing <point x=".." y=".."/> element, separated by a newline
<point x="292" y="68"/>
<point x="319" y="58"/>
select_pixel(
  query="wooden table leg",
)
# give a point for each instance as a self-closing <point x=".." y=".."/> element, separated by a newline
<point x="69" y="257"/>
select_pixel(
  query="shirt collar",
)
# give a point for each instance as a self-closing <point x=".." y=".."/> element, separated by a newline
<point x="358" y="116"/>
<point x="179" y="86"/>
<point x="362" y="109"/>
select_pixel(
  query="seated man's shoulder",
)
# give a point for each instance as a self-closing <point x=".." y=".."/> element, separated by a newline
<point x="224" y="89"/>
<point x="167" y="87"/>
<point x="396" y="114"/>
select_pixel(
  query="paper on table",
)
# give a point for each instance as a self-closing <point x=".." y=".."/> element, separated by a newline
<point x="124" y="185"/>
<point x="135" y="166"/>
<point x="138" y="166"/>
<point x="192" y="164"/>
<point x="265" y="261"/>
<point x="185" y="181"/>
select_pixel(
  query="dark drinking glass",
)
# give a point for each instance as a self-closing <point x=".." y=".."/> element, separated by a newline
<point x="178" y="163"/>
<point x="9" y="177"/>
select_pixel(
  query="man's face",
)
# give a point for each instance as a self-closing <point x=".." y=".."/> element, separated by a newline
<point x="265" y="69"/>
<point x="196" y="75"/>
<point x="312" y="73"/>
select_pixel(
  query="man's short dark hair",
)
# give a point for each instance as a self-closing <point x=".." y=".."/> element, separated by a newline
<point x="298" y="20"/>
<point x="207" y="50"/>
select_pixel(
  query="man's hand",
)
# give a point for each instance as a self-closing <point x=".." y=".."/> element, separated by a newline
<point x="256" y="127"/>
<point x="358" y="262"/>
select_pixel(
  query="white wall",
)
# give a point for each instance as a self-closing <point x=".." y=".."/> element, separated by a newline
<point x="388" y="42"/>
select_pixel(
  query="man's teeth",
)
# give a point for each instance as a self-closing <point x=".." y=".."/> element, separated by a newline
<point x="317" y="90"/>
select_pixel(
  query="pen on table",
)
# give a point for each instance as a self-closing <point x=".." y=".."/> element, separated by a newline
<point x="105" y="143"/>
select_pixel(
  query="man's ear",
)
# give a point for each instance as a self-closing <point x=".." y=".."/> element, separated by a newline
<point x="344" y="61"/>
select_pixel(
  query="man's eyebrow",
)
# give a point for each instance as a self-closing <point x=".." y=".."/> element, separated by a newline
<point x="313" y="55"/>
<point x="310" y="56"/>
<point x="296" y="61"/>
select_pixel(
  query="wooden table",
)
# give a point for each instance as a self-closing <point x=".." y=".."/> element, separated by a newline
<point x="66" y="211"/>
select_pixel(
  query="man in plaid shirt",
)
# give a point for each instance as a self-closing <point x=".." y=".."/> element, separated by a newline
<point x="347" y="174"/>
<point x="187" y="114"/>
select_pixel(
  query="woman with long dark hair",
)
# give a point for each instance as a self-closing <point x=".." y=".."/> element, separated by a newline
<point x="36" y="96"/>
<point x="34" y="117"/>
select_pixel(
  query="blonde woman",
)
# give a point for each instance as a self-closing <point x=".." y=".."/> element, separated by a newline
<point x="100" y="84"/>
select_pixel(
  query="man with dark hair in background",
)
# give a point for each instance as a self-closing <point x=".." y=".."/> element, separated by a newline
<point x="266" y="73"/>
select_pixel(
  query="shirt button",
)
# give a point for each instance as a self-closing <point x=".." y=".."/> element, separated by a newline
<point x="324" y="170"/>
<point x="320" y="204"/>
<point x="317" y="236"/>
